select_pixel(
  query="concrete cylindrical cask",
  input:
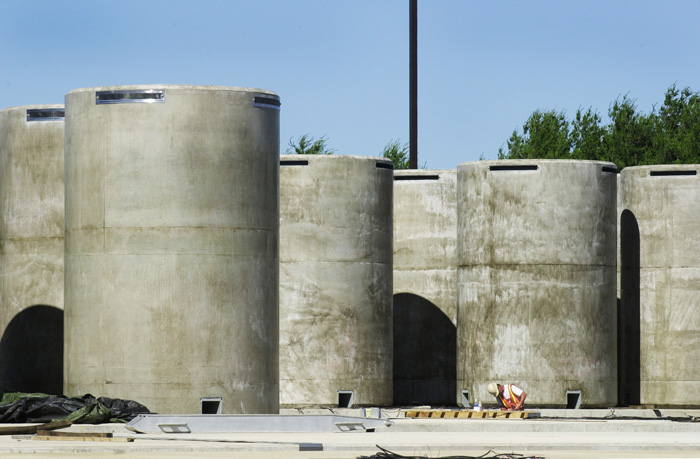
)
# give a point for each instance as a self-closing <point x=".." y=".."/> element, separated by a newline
<point x="172" y="229"/>
<point x="335" y="280"/>
<point x="537" y="280"/>
<point x="660" y="280"/>
<point x="425" y="286"/>
<point x="31" y="248"/>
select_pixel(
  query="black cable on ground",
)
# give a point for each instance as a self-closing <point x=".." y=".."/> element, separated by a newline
<point x="613" y="417"/>
<point x="386" y="454"/>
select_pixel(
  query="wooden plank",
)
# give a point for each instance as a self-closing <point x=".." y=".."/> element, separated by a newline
<point x="24" y="429"/>
<point x="54" y="433"/>
<point x="437" y="414"/>
<point x="61" y="438"/>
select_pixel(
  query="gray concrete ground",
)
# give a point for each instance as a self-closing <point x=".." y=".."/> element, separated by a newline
<point x="558" y="434"/>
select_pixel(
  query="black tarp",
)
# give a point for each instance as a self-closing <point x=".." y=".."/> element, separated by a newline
<point x="21" y="407"/>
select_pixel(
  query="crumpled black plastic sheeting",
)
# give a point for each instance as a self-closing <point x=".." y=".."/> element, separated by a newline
<point x="17" y="407"/>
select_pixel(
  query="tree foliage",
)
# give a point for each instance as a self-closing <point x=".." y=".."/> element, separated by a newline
<point x="669" y="135"/>
<point x="398" y="154"/>
<point x="306" y="145"/>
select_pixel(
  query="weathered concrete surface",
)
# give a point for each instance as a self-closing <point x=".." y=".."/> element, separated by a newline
<point x="335" y="280"/>
<point x="425" y="236"/>
<point x="536" y="279"/>
<point x="172" y="227"/>
<point x="551" y="438"/>
<point x="425" y="286"/>
<point x="31" y="251"/>
<point x="661" y="279"/>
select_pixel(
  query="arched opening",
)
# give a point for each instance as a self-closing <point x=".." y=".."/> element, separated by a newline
<point x="425" y="353"/>
<point x="31" y="351"/>
<point x="628" y="318"/>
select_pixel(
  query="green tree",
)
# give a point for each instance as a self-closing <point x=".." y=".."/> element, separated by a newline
<point x="631" y="138"/>
<point x="400" y="155"/>
<point x="586" y="135"/>
<point x="306" y="145"/>
<point x="397" y="153"/>
<point x="545" y="135"/>
<point x="628" y="137"/>
<point x="677" y="138"/>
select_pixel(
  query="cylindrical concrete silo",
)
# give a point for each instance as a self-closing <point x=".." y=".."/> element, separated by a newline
<point x="335" y="280"/>
<point x="537" y="280"/>
<point x="31" y="248"/>
<point x="172" y="228"/>
<point x="660" y="281"/>
<point x="425" y="286"/>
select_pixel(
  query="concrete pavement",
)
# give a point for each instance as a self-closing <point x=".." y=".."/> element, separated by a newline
<point x="561" y="437"/>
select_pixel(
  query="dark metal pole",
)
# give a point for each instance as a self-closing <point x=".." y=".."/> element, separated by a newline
<point x="413" y="83"/>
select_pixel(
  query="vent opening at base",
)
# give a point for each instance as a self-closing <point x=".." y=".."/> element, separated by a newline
<point x="211" y="405"/>
<point x="465" y="398"/>
<point x="345" y="398"/>
<point x="573" y="399"/>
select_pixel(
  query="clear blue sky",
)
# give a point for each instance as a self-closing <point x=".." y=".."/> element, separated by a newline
<point x="341" y="67"/>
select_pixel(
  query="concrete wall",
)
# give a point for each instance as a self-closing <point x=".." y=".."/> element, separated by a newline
<point x="425" y="286"/>
<point x="660" y="280"/>
<point x="172" y="227"/>
<point x="335" y="280"/>
<point x="31" y="249"/>
<point x="536" y="279"/>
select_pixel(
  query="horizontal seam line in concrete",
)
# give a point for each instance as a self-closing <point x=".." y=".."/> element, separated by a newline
<point x="408" y="268"/>
<point x="145" y="254"/>
<point x="83" y="228"/>
<point x="325" y="262"/>
<point x="536" y="264"/>
<point x="38" y="238"/>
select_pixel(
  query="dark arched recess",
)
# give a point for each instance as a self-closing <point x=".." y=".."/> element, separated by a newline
<point x="31" y="351"/>
<point x="425" y="353"/>
<point x="628" y="318"/>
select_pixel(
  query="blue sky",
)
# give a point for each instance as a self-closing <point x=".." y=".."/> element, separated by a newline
<point x="341" y="67"/>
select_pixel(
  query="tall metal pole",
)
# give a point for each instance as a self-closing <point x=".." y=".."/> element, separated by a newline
<point x="413" y="84"/>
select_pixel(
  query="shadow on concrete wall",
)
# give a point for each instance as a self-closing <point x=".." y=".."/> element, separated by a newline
<point x="31" y="351"/>
<point x="425" y="353"/>
<point x="628" y="313"/>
